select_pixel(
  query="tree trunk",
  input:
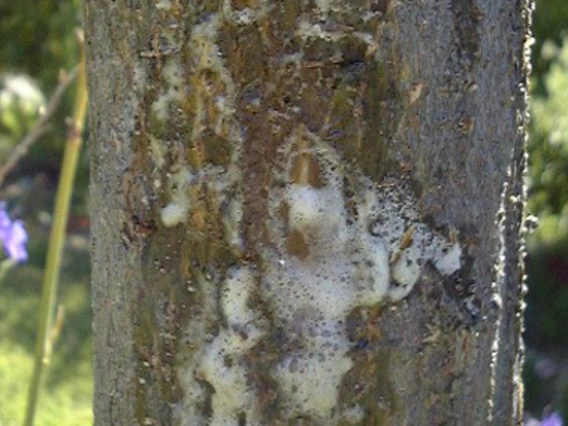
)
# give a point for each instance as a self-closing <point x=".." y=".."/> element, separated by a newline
<point x="307" y="212"/>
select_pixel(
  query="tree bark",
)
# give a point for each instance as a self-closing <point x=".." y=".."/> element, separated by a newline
<point x="307" y="212"/>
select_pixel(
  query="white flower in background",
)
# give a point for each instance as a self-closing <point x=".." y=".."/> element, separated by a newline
<point x="21" y="102"/>
<point x="22" y="89"/>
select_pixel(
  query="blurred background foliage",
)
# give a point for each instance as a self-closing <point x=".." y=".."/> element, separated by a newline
<point x="38" y="41"/>
<point x="546" y="335"/>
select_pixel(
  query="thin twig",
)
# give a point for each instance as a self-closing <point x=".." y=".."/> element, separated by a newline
<point x="52" y="271"/>
<point x="40" y="126"/>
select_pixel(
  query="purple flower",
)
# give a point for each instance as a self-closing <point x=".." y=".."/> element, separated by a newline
<point x="553" y="419"/>
<point x="13" y="236"/>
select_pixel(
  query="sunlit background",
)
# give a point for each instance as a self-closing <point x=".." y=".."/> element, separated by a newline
<point x="37" y="41"/>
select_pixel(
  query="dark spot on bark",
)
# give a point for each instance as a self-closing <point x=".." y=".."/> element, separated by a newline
<point x="319" y="49"/>
<point x="466" y="20"/>
<point x="244" y="52"/>
<point x="217" y="149"/>
<point x="380" y="6"/>
<point x="297" y="245"/>
<point x="361" y="345"/>
<point x="353" y="72"/>
<point x="242" y="419"/>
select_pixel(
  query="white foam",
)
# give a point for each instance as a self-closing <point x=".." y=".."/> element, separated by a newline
<point x="350" y="261"/>
<point x="223" y="364"/>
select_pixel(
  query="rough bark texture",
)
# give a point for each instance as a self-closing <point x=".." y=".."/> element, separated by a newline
<point x="307" y="212"/>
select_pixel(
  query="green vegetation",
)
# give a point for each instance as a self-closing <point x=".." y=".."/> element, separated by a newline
<point x="66" y="396"/>
<point x="546" y="382"/>
<point x="40" y="48"/>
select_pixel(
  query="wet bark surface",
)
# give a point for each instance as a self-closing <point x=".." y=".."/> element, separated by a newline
<point x="239" y="148"/>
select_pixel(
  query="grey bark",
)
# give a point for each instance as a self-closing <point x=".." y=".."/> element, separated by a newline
<point x="307" y="212"/>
